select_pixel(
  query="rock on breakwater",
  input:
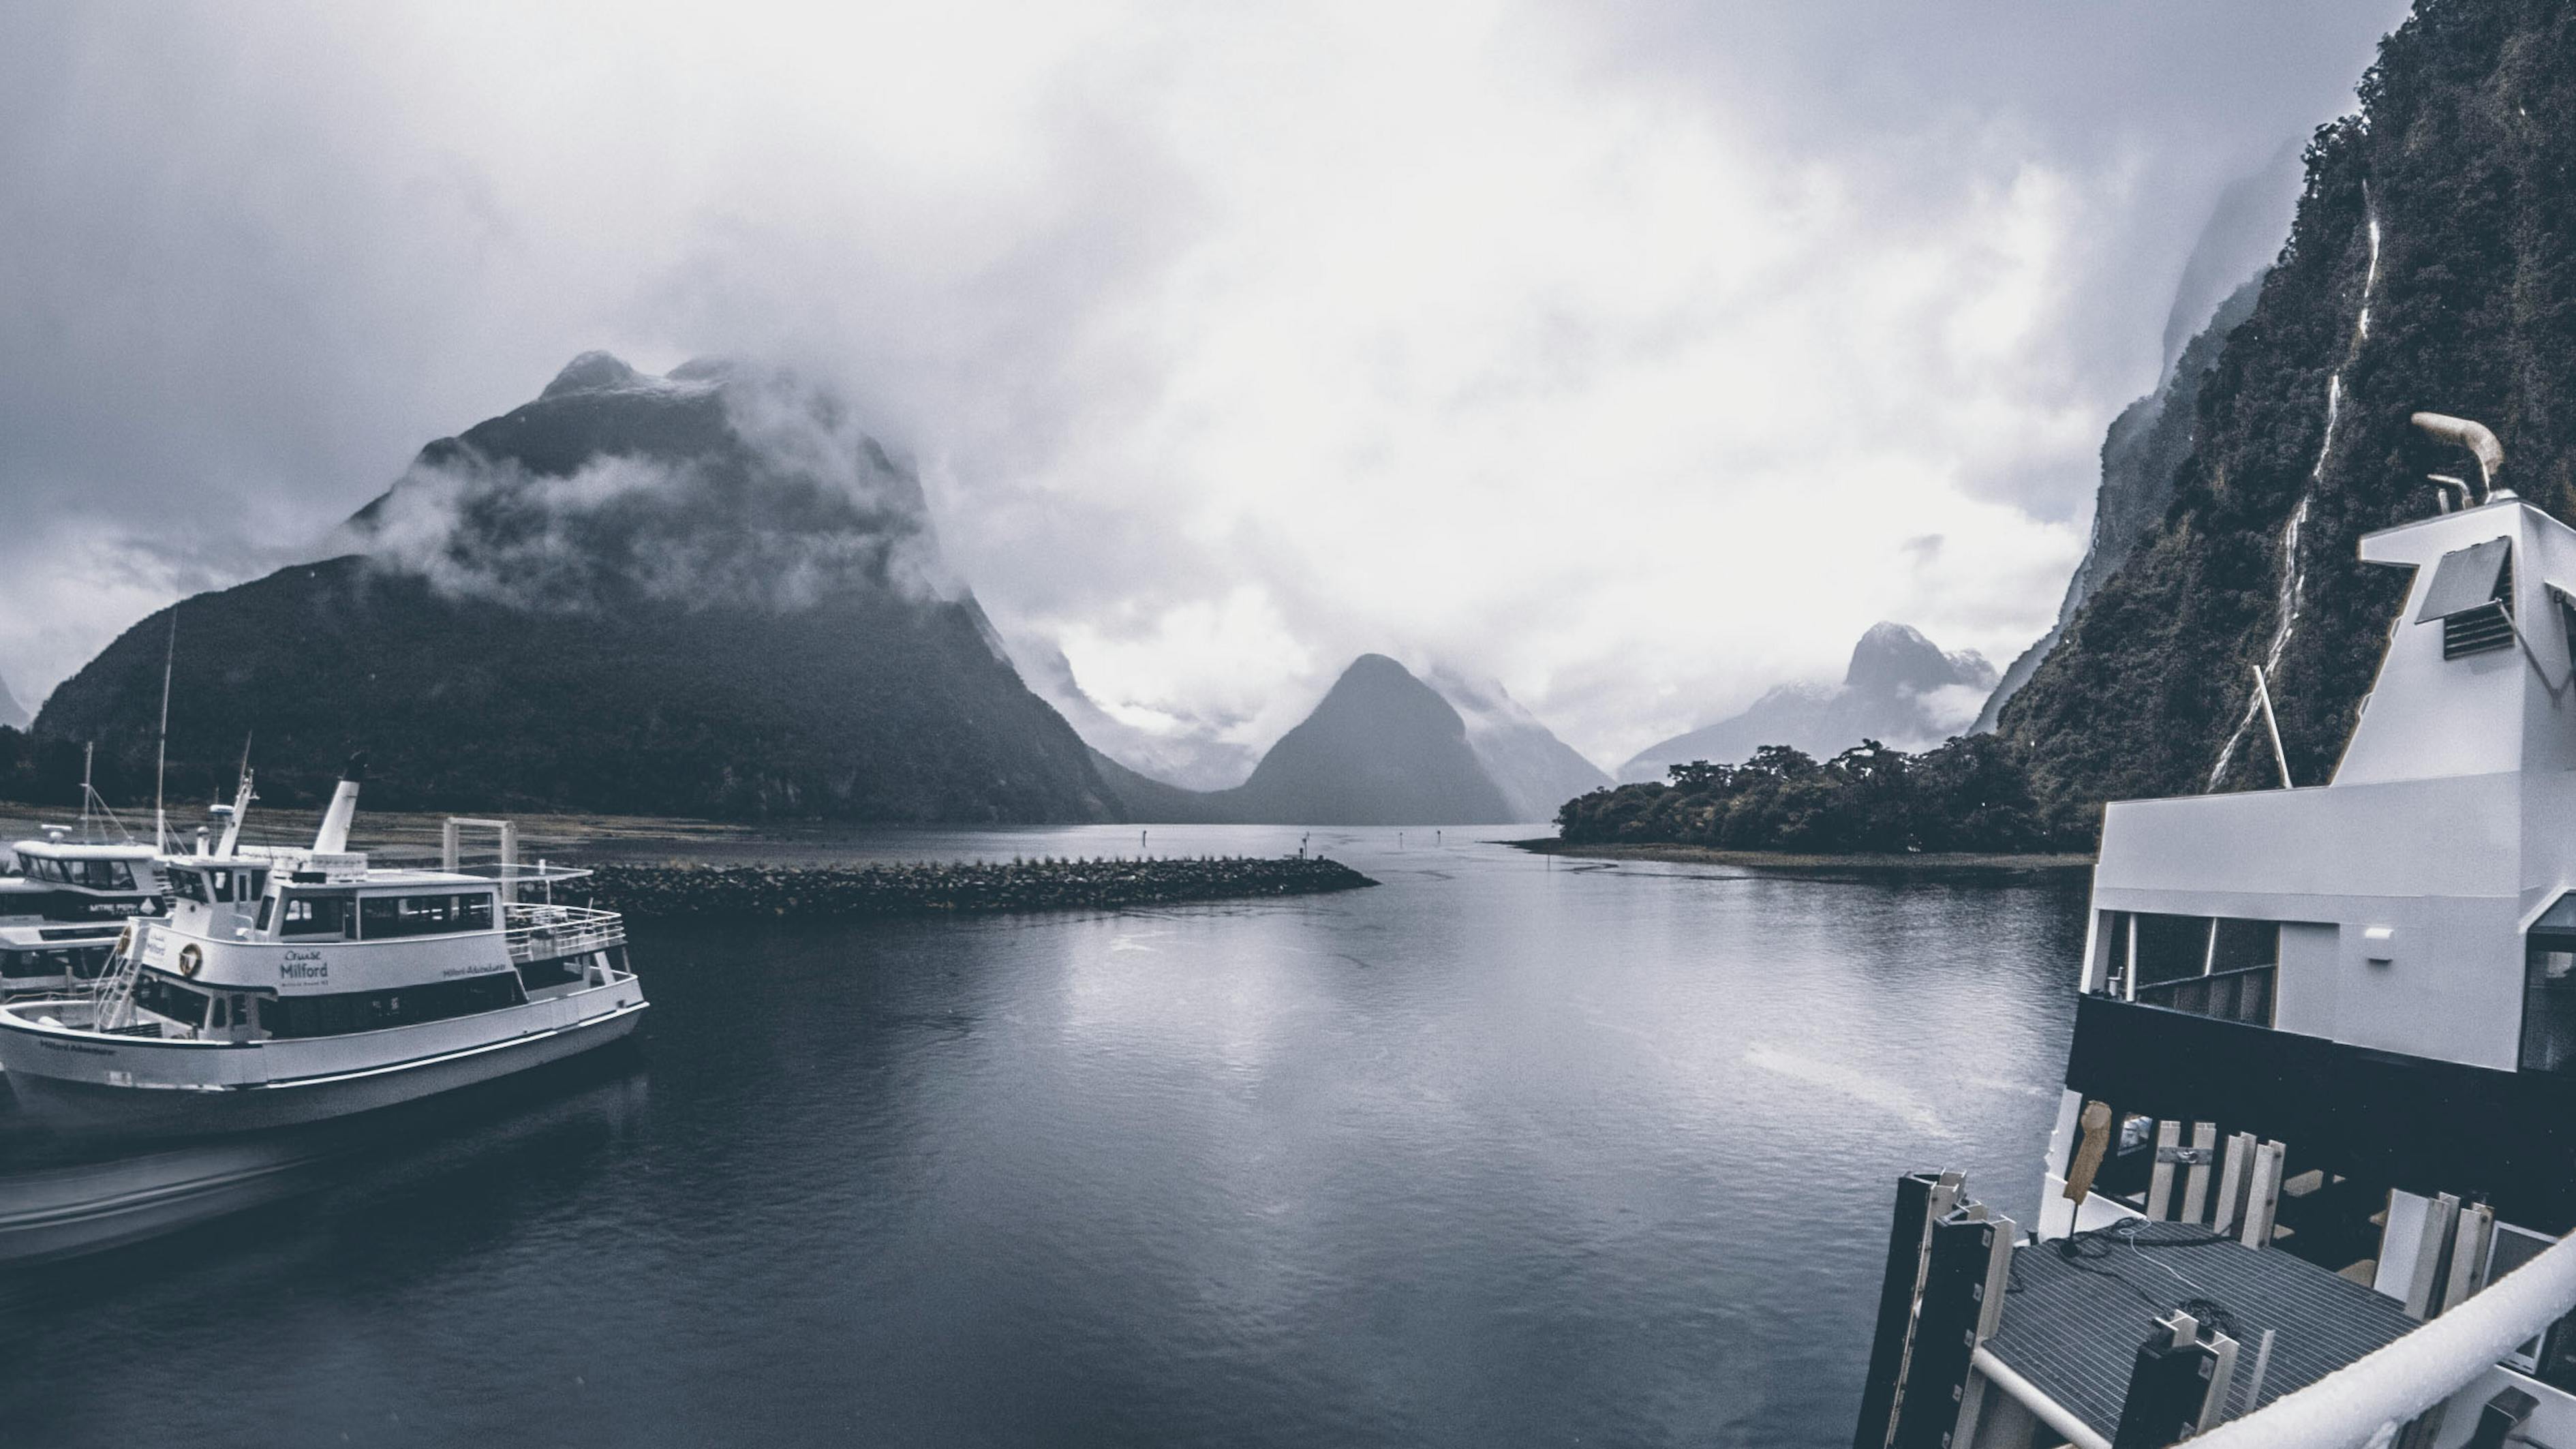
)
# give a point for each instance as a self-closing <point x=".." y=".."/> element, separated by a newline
<point x="933" y="887"/>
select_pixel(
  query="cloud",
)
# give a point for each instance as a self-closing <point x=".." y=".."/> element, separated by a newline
<point x="762" y="492"/>
<point x="1624" y="355"/>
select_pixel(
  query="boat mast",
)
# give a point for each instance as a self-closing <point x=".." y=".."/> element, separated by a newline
<point x="161" y="764"/>
<point x="91" y="801"/>
<point x="241" y="805"/>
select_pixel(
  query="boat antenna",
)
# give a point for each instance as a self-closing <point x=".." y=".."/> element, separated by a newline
<point x="161" y="761"/>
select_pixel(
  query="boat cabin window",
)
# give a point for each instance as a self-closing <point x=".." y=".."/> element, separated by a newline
<point x="2206" y="965"/>
<point x="163" y="996"/>
<point x="352" y="1011"/>
<point x="105" y="875"/>
<point x="217" y="884"/>
<point x="79" y="963"/>
<point x="312" y="914"/>
<point x="382" y="917"/>
<point x="2549" y="990"/>
<point x="95" y="875"/>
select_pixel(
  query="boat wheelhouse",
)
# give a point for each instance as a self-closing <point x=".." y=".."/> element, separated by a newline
<point x="62" y="905"/>
<point x="292" y="985"/>
<point x="2320" y="1106"/>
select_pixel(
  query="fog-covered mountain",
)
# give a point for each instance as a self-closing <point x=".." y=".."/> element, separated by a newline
<point x="1536" y="770"/>
<point x="1382" y="748"/>
<point x="709" y="593"/>
<point x="13" y="715"/>
<point x="1900" y="689"/>
<point x="2146" y="445"/>
<point x="1197" y="757"/>
<point x="2151" y="437"/>
<point x="2431" y="266"/>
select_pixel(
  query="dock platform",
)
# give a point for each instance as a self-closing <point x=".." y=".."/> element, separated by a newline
<point x="2072" y="1325"/>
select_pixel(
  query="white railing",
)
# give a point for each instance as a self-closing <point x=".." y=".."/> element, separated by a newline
<point x="547" y="933"/>
<point x="2364" y="1402"/>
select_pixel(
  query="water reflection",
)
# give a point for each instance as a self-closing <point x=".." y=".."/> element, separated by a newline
<point x="62" y="1198"/>
<point x="1501" y="1152"/>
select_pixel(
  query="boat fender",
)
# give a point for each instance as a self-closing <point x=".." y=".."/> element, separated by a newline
<point x="190" y="959"/>
<point x="125" y="941"/>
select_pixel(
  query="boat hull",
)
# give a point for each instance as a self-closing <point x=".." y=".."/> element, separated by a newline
<point x="90" y="1103"/>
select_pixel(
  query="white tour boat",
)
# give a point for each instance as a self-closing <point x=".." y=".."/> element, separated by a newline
<point x="288" y="986"/>
<point x="62" y="906"/>
<point x="2313" y="1177"/>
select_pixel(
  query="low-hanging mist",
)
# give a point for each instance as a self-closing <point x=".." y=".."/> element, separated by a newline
<point x="710" y="593"/>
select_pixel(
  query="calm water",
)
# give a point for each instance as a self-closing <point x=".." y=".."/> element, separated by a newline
<point x="1504" y="1152"/>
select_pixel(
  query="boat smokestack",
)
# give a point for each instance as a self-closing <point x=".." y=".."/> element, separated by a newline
<point x="333" y="837"/>
<point x="2477" y="438"/>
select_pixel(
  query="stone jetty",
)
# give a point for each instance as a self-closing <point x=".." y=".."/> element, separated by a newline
<point x="932" y="888"/>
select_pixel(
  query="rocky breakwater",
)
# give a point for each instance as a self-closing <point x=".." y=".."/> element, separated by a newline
<point x="930" y="888"/>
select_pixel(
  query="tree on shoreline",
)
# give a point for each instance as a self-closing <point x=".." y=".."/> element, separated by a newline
<point x="1971" y="793"/>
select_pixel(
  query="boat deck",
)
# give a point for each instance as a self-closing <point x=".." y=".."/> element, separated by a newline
<point x="2073" y="1327"/>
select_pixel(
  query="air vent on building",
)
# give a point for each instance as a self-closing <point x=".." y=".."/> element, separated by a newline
<point x="2472" y="594"/>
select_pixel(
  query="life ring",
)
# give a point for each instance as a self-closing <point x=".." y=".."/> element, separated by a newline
<point x="125" y="941"/>
<point x="190" y="958"/>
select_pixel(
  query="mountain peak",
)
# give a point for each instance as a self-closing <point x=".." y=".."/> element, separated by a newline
<point x="1375" y="692"/>
<point x="1893" y="656"/>
<point x="593" y="371"/>
<point x="1901" y="688"/>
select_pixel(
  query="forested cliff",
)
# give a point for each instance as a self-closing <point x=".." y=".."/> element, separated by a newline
<point x="2432" y="265"/>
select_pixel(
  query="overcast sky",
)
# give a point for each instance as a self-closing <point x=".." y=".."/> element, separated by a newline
<point x="1639" y="357"/>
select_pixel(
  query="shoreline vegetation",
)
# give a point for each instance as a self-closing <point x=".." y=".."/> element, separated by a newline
<point x="1971" y="796"/>
<point x="1915" y="863"/>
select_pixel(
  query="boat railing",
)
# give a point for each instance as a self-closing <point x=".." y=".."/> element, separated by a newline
<point x="2368" y="1401"/>
<point x="515" y="873"/>
<point x="534" y="932"/>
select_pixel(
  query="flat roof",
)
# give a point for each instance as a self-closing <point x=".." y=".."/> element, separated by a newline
<point x="69" y="850"/>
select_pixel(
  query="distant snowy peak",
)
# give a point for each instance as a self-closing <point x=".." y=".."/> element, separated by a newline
<point x="1900" y="689"/>
<point x="13" y="715"/>
<point x="1893" y="658"/>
